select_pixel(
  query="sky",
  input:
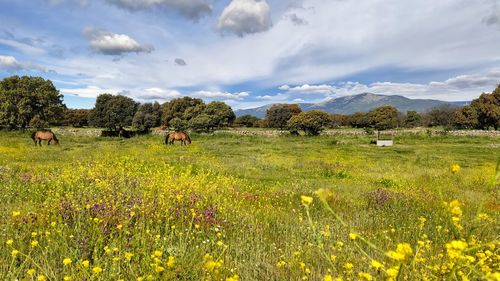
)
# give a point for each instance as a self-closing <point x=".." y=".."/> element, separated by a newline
<point x="249" y="53"/>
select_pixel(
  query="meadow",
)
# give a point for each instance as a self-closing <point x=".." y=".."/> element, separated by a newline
<point x="233" y="207"/>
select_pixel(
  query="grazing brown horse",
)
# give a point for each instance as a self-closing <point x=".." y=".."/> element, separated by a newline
<point x="177" y="136"/>
<point x="38" y="136"/>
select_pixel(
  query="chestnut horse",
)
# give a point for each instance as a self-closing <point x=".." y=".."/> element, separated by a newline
<point x="38" y="136"/>
<point x="177" y="136"/>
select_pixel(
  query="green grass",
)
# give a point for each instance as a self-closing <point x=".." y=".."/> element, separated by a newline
<point x="231" y="205"/>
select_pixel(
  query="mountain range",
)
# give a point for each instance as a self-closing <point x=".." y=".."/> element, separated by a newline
<point x="360" y="103"/>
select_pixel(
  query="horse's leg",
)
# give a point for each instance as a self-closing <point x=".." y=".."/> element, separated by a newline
<point x="48" y="142"/>
<point x="39" y="142"/>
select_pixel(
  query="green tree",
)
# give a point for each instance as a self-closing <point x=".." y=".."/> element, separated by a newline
<point x="339" y="120"/>
<point x="222" y="113"/>
<point x="203" y="123"/>
<point x="465" y="118"/>
<point x="359" y="120"/>
<point x="76" y="117"/>
<point x="193" y="111"/>
<point x="439" y="116"/>
<point x="29" y="100"/>
<point x="311" y="122"/>
<point x="177" y="108"/>
<point x="178" y="125"/>
<point x="148" y="115"/>
<point x="487" y="107"/>
<point x="112" y="112"/>
<point x="383" y="117"/>
<point x="412" y="119"/>
<point x="278" y="115"/>
<point x="248" y="121"/>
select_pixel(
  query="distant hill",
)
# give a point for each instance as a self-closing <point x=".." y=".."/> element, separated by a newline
<point x="359" y="103"/>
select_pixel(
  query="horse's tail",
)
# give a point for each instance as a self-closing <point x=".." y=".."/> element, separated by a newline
<point x="188" y="138"/>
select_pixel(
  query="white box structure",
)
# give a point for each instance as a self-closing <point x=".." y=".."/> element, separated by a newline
<point x="385" y="143"/>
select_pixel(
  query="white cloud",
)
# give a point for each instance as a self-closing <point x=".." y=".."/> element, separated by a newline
<point x="89" y="91"/>
<point x="10" y="64"/>
<point x="274" y="98"/>
<point x="220" y="95"/>
<point x="463" y="87"/>
<point x="245" y="17"/>
<point x="309" y="89"/>
<point x="109" y="43"/>
<point x="193" y="9"/>
<point x="158" y="94"/>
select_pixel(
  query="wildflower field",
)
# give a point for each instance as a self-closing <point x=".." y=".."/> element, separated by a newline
<point x="233" y="207"/>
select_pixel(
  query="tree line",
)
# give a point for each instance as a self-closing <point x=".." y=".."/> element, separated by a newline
<point x="35" y="102"/>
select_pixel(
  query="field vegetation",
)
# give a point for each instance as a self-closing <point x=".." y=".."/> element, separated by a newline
<point x="233" y="207"/>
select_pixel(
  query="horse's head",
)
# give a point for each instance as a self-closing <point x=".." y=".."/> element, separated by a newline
<point x="56" y="142"/>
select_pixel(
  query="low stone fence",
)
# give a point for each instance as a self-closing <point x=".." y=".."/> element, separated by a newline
<point x="276" y="133"/>
<point x="78" y="132"/>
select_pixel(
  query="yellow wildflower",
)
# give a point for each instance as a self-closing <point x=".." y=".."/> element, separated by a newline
<point x="67" y="261"/>
<point x="30" y="272"/>
<point x="393" y="271"/>
<point x="306" y="200"/>
<point x="41" y="278"/>
<point x="493" y="276"/>
<point x="128" y="256"/>
<point x="454" y="208"/>
<point x="323" y="194"/>
<point x="376" y="265"/>
<point x="455" y="248"/>
<point x="34" y="243"/>
<point x="364" y="276"/>
<point x="9" y="242"/>
<point x="171" y="261"/>
<point x="328" y="277"/>
<point x="15" y="213"/>
<point x="483" y="216"/>
<point x="119" y="227"/>
<point x="348" y="266"/>
<point x="85" y="263"/>
<point x="233" y="278"/>
<point x="159" y="269"/>
<point x="157" y="253"/>
<point x="97" y="269"/>
<point x="455" y="168"/>
<point x="403" y="251"/>
<point x="14" y="252"/>
<point x="67" y="278"/>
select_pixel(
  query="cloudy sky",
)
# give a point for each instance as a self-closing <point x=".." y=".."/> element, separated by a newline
<point x="254" y="52"/>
